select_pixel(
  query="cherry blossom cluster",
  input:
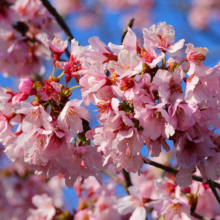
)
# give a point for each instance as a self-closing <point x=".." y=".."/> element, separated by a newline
<point x="151" y="197"/>
<point x="22" y="25"/>
<point x="143" y="99"/>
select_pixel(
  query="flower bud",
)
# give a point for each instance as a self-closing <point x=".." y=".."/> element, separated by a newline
<point x="26" y="86"/>
<point x="19" y="97"/>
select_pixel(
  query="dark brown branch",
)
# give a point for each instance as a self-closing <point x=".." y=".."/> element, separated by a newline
<point x="59" y="20"/>
<point x="127" y="180"/>
<point x="200" y="217"/>
<point x="211" y="185"/>
<point x="174" y="171"/>
<point x="129" y="24"/>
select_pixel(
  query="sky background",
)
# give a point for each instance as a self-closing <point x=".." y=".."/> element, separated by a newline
<point x="109" y="29"/>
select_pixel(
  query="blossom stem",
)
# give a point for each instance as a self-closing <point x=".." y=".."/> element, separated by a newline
<point x="127" y="180"/>
<point x="61" y="75"/>
<point x="211" y="185"/>
<point x="72" y="88"/>
<point x="54" y="67"/>
<point x="60" y="21"/>
<point x="129" y="24"/>
<point x="164" y="63"/>
<point x="180" y="63"/>
<point x="66" y="85"/>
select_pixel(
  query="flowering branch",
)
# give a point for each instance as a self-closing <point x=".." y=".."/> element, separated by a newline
<point x="60" y="21"/>
<point x="129" y="24"/>
<point x="211" y="185"/>
<point x="127" y="180"/>
<point x="174" y="171"/>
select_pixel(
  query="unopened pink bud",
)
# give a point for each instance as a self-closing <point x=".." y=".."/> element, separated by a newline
<point x="19" y="97"/>
<point x="26" y="85"/>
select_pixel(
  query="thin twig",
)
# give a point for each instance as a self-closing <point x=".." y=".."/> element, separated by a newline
<point x="211" y="185"/>
<point x="127" y="180"/>
<point x="60" y="21"/>
<point x="174" y="171"/>
<point x="113" y="176"/>
<point x="129" y="24"/>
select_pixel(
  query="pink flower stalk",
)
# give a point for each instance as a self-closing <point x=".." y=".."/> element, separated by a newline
<point x="57" y="46"/>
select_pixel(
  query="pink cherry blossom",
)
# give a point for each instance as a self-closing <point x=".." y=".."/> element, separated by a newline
<point x="168" y="83"/>
<point x="149" y="56"/>
<point x="99" y="53"/>
<point x="162" y="36"/>
<point x="156" y="122"/>
<point x="45" y="208"/>
<point x="34" y="116"/>
<point x="72" y="115"/>
<point x="83" y="158"/>
<point x="57" y="46"/>
<point x="132" y="203"/>
<point x="191" y="149"/>
<point x="195" y="56"/>
<point x="172" y="209"/>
